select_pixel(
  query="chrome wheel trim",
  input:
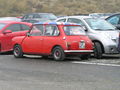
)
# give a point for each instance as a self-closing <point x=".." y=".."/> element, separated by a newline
<point x="57" y="54"/>
<point x="16" y="51"/>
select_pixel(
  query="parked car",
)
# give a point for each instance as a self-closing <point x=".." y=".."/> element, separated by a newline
<point x="101" y="15"/>
<point x="55" y="39"/>
<point x="10" y="29"/>
<point x="103" y="34"/>
<point x="118" y="43"/>
<point x="10" y="19"/>
<point x="39" y="17"/>
<point x="114" y="20"/>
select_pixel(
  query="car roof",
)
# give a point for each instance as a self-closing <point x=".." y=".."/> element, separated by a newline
<point x="56" y="23"/>
<point x="38" y="13"/>
<point x="81" y="17"/>
<point x="8" y="22"/>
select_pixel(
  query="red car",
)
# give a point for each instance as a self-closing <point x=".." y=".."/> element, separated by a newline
<point x="56" y="39"/>
<point x="10" y="29"/>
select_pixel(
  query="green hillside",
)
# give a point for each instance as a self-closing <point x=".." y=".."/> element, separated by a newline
<point x="58" y="7"/>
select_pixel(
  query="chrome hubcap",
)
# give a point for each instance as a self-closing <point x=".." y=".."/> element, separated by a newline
<point x="16" y="51"/>
<point x="57" y="54"/>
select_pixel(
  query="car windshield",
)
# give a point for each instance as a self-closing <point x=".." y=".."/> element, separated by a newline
<point x="74" y="30"/>
<point x="2" y="25"/>
<point x="49" y="16"/>
<point x="99" y="24"/>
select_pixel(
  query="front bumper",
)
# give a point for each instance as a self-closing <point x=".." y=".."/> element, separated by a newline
<point x="111" y="50"/>
<point x="78" y="51"/>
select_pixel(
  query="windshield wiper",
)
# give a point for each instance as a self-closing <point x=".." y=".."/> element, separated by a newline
<point x="98" y="29"/>
<point x="104" y="29"/>
<point x="110" y="29"/>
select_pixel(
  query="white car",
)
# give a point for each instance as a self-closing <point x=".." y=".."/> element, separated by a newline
<point x="103" y="34"/>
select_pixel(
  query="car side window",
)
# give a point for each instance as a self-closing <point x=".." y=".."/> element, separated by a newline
<point x="24" y="27"/>
<point x="37" y="30"/>
<point x="61" y="20"/>
<point x="36" y="16"/>
<point x="30" y="16"/>
<point x="114" y="20"/>
<point x="74" y="20"/>
<point x="25" y="17"/>
<point x="51" y="30"/>
<point x="14" y="27"/>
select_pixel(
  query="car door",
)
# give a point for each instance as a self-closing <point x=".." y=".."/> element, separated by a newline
<point x="33" y="43"/>
<point x="6" y="44"/>
<point x="51" y="38"/>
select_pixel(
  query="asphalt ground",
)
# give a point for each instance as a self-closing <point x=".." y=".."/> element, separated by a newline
<point x="36" y="73"/>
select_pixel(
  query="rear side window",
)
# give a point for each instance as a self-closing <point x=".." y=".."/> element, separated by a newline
<point x="36" y="16"/>
<point x="61" y="20"/>
<point x="51" y="30"/>
<point x="74" y="30"/>
<point x="74" y="20"/>
<point x="14" y="27"/>
<point x="25" y="17"/>
<point x="24" y="27"/>
<point x="30" y="16"/>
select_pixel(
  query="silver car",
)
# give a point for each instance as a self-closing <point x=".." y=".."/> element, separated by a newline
<point x="103" y="34"/>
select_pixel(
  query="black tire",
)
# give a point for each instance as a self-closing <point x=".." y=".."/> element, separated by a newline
<point x="85" y="56"/>
<point x="58" y="53"/>
<point x="97" y="50"/>
<point x="17" y="51"/>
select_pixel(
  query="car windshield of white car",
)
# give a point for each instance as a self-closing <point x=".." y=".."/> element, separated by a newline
<point x="99" y="24"/>
<point x="74" y="30"/>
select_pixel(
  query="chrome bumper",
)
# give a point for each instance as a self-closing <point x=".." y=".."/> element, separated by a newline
<point x="78" y="51"/>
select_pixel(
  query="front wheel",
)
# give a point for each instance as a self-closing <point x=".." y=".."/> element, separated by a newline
<point x="17" y="51"/>
<point x="97" y="50"/>
<point x="58" y="53"/>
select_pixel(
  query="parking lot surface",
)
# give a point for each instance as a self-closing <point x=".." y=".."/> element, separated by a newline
<point x="36" y="73"/>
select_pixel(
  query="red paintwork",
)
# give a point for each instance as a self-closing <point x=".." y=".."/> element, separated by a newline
<point x="45" y="44"/>
<point x="6" y="38"/>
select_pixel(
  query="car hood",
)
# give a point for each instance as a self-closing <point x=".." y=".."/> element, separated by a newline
<point x="110" y="34"/>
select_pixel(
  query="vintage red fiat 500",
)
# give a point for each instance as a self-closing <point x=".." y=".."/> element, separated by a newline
<point x="55" y="39"/>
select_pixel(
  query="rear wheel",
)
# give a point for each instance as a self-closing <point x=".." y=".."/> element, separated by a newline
<point x="17" y="51"/>
<point x="97" y="50"/>
<point x="58" y="53"/>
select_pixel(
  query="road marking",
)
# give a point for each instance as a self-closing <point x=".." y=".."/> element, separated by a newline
<point x="92" y="63"/>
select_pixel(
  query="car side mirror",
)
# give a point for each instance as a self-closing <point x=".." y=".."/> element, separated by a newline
<point x="7" y="31"/>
